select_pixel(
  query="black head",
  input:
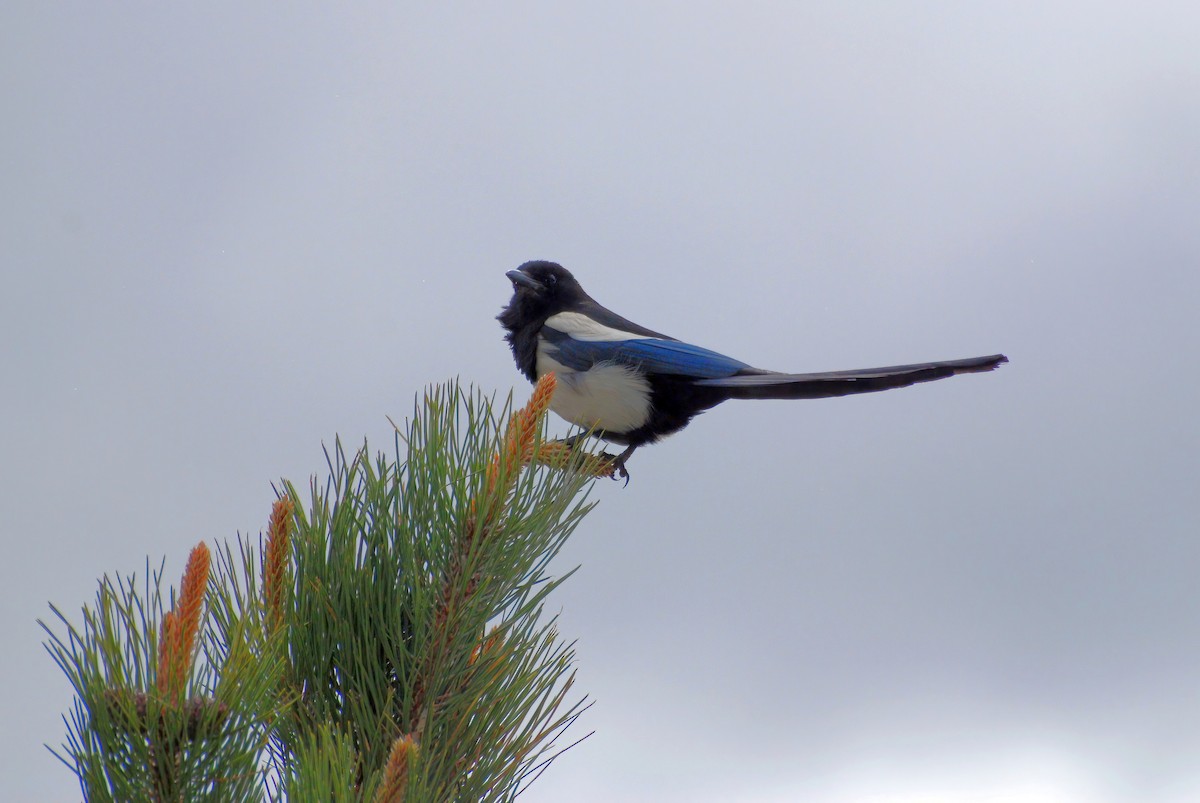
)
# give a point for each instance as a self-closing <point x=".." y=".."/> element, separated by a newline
<point x="540" y="289"/>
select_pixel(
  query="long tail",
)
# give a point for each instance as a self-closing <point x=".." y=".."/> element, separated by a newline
<point x="768" y="385"/>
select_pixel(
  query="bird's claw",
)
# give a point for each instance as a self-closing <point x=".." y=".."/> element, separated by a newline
<point x="616" y="467"/>
<point x="602" y="464"/>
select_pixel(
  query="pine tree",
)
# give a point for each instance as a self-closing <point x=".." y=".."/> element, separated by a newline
<point x="384" y="642"/>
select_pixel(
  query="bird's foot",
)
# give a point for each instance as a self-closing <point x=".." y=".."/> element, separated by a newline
<point x="615" y="463"/>
<point x="562" y="453"/>
<point x="615" y="467"/>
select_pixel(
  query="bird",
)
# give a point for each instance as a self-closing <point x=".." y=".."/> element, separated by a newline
<point x="632" y="386"/>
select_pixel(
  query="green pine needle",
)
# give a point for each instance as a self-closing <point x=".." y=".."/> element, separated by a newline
<point x="405" y="619"/>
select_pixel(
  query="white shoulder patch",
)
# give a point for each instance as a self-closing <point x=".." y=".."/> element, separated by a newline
<point x="581" y="327"/>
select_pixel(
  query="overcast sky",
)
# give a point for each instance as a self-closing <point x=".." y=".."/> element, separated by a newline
<point x="228" y="234"/>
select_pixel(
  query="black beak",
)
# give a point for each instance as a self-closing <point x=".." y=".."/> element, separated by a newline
<point x="520" y="280"/>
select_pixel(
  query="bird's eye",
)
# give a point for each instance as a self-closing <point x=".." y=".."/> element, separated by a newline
<point x="551" y="280"/>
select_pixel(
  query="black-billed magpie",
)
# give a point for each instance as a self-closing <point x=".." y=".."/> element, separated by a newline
<point x="631" y="385"/>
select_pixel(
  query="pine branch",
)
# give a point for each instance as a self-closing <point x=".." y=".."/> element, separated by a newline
<point x="384" y="641"/>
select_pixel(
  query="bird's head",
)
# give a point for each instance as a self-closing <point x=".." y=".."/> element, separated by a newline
<point x="540" y="289"/>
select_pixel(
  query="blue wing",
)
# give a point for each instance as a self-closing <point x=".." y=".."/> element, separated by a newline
<point x="651" y="355"/>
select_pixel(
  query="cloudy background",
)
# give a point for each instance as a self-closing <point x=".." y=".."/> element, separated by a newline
<point x="228" y="234"/>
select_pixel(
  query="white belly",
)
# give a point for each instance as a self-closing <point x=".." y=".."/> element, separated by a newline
<point x="607" y="396"/>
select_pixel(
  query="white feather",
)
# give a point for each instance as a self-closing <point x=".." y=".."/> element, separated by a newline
<point x="581" y="327"/>
<point x="607" y="396"/>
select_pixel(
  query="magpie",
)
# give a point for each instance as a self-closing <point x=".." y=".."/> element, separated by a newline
<point x="630" y="385"/>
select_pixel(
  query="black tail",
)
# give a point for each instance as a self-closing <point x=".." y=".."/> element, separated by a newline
<point x="769" y="385"/>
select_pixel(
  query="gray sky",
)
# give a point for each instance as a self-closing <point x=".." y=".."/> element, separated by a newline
<point x="228" y="234"/>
